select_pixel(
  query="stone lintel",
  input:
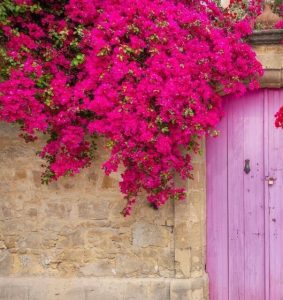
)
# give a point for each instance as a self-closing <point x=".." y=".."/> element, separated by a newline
<point x="266" y="37"/>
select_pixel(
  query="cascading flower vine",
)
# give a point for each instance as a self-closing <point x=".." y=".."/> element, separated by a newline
<point x="279" y="25"/>
<point x="279" y="114"/>
<point x="145" y="75"/>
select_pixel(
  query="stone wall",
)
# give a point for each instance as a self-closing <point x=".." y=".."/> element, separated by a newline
<point x="56" y="239"/>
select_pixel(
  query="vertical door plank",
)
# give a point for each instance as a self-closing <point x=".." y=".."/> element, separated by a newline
<point x="266" y="197"/>
<point x="217" y="244"/>
<point x="235" y="112"/>
<point x="275" y="100"/>
<point x="254" y="273"/>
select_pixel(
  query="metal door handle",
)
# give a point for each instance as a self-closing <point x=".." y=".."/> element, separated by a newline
<point x="270" y="180"/>
<point x="247" y="168"/>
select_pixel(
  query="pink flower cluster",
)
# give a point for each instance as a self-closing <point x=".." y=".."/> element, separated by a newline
<point x="279" y="25"/>
<point x="146" y="75"/>
<point x="279" y="114"/>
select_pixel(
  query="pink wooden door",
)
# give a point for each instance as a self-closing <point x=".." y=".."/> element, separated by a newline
<point x="244" y="210"/>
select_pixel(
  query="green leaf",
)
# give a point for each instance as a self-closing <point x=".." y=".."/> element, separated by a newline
<point x="78" y="60"/>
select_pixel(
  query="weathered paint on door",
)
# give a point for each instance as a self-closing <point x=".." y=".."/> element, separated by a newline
<point x="244" y="210"/>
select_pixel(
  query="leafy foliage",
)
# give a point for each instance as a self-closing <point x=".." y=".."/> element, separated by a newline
<point x="146" y="75"/>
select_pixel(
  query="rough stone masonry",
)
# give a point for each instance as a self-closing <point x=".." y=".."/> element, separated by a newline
<point x="68" y="240"/>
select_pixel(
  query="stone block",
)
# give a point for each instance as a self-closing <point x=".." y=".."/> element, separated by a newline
<point x="6" y="212"/>
<point x="104" y="239"/>
<point x="198" y="294"/>
<point x="104" y="291"/>
<point x="36" y="175"/>
<point x="32" y="212"/>
<point x="58" y="210"/>
<point x="180" y="290"/>
<point x="14" y="292"/>
<point x="160" y="291"/>
<point x="145" y="235"/>
<point x="145" y="290"/>
<point x="75" y="294"/>
<point x="98" y="269"/>
<point x="182" y="237"/>
<point x="71" y="238"/>
<point x="5" y="262"/>
<point x="109" y="183"/>
<point x="20" y="174"/>
<point x="127" y="265"/>
<point x="96" y="209"/>
<point x="183" y="263"/>
<point x="187" y="289"/>
<point x="31" y="240"/>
